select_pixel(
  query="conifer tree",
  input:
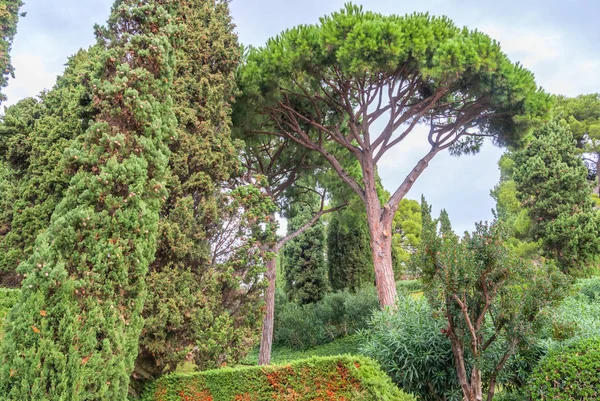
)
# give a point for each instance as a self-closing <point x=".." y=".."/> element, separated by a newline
<point x="9" y="16"/>
<point x="303" y="258"/>
<point x="551" y="182"/>
<point x="34" y="134"/>
<point x="197" y="307"/>
<point x="348" y="254"/>
<point x="73" y="334"/>
<point x="325" y="86"/>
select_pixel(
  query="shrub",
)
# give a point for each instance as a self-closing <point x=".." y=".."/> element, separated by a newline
<point x="337" y="315"/>
<point x="571" y="373"/>
<point x="330" y="378"/>
<point x="411" y="348"/>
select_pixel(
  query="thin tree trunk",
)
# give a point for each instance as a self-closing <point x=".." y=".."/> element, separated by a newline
<point x="597" y="187"/>
<point x="266" y="342"/>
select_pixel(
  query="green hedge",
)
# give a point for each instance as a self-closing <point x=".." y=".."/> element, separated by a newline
<point x="326" y="378"/>
<point x="8" y="297"/>
<point x="570" y="373"/>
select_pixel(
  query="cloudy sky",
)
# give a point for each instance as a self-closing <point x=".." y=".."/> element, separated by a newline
<point x="556" y="39"/>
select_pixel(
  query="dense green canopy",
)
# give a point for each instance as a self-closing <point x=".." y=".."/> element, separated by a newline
<point x="74" y="331"/>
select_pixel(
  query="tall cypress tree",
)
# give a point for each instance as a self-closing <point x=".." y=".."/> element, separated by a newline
<point x="34" y="134"/>
<point x="74" y="331"/>
<point x="303" y="258"/>
<point x="349" y="259"/>
<point x="9" y="16"/>
<point x="197" y="308"/>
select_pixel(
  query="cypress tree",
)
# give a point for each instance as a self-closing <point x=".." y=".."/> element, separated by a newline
<point x="551" y="182"/>
<point x="73" y="334"/>
<point x="349" y="259"/>
<point x="304" y="257"/>
<point x="197" y="308"/>
<point x="34" y="134"/>
<point x="9" y="16"/>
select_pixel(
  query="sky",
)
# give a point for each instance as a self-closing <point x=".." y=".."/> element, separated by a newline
<point x="556" y="39"/>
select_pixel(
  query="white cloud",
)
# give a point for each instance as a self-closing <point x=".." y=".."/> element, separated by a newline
<point x="33" y="75"/>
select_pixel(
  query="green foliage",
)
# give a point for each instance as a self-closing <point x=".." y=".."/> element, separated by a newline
<point x="35" y="134"/>
<point x="8" y="298"/>
<point x="342" y="377"/>
<point x="407" y="232"/>
<point x="9" y="16"/>
<point x="74" y="331"/>
<point x="582" y="114"/>
<point x="551" y="182"/>
<point x="411" y="348"/>
<point x="348" y="252"/>
<point x="568" y="374"/>
<point x="590" y="288"/>
<point x="336" y="315"/>
<point x="370" y="47"/>
<point x="204" y="286"/>
<point x="303" y="259"/>
<point x="408" y="286"/>
<point x="489" y="297"/>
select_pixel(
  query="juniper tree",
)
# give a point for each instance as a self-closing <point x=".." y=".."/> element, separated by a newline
<point x="361" y="82"/>
<point x="9" y="16"/>
<point x="74" y="332"/>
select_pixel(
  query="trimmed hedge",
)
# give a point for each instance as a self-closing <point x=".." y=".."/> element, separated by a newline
<point x="341" y="378"/>
<point x="571" y="373"/>
<point x="8" y="298"/>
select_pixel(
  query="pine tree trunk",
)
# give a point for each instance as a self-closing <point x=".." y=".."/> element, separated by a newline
<point x="380" y="228"/>
<point x="266" y="342"/>
<point x="597" y="187"/>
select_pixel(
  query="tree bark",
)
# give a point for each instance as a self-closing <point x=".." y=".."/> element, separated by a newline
<point x="266" y="342"/>
<point x="380" y="220"/>
<point x="597" y="187"/>
<point x="380" y="228"/>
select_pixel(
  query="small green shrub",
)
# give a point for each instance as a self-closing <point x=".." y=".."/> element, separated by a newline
<point x="571" y="373"/>
<point x="331" y="378"/>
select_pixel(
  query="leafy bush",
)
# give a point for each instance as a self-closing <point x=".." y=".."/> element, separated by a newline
<point x="411" y="348"/>
<point x="346" y="377"/>
<point x="572" y="373"/>
<point x="337" y="315"/>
